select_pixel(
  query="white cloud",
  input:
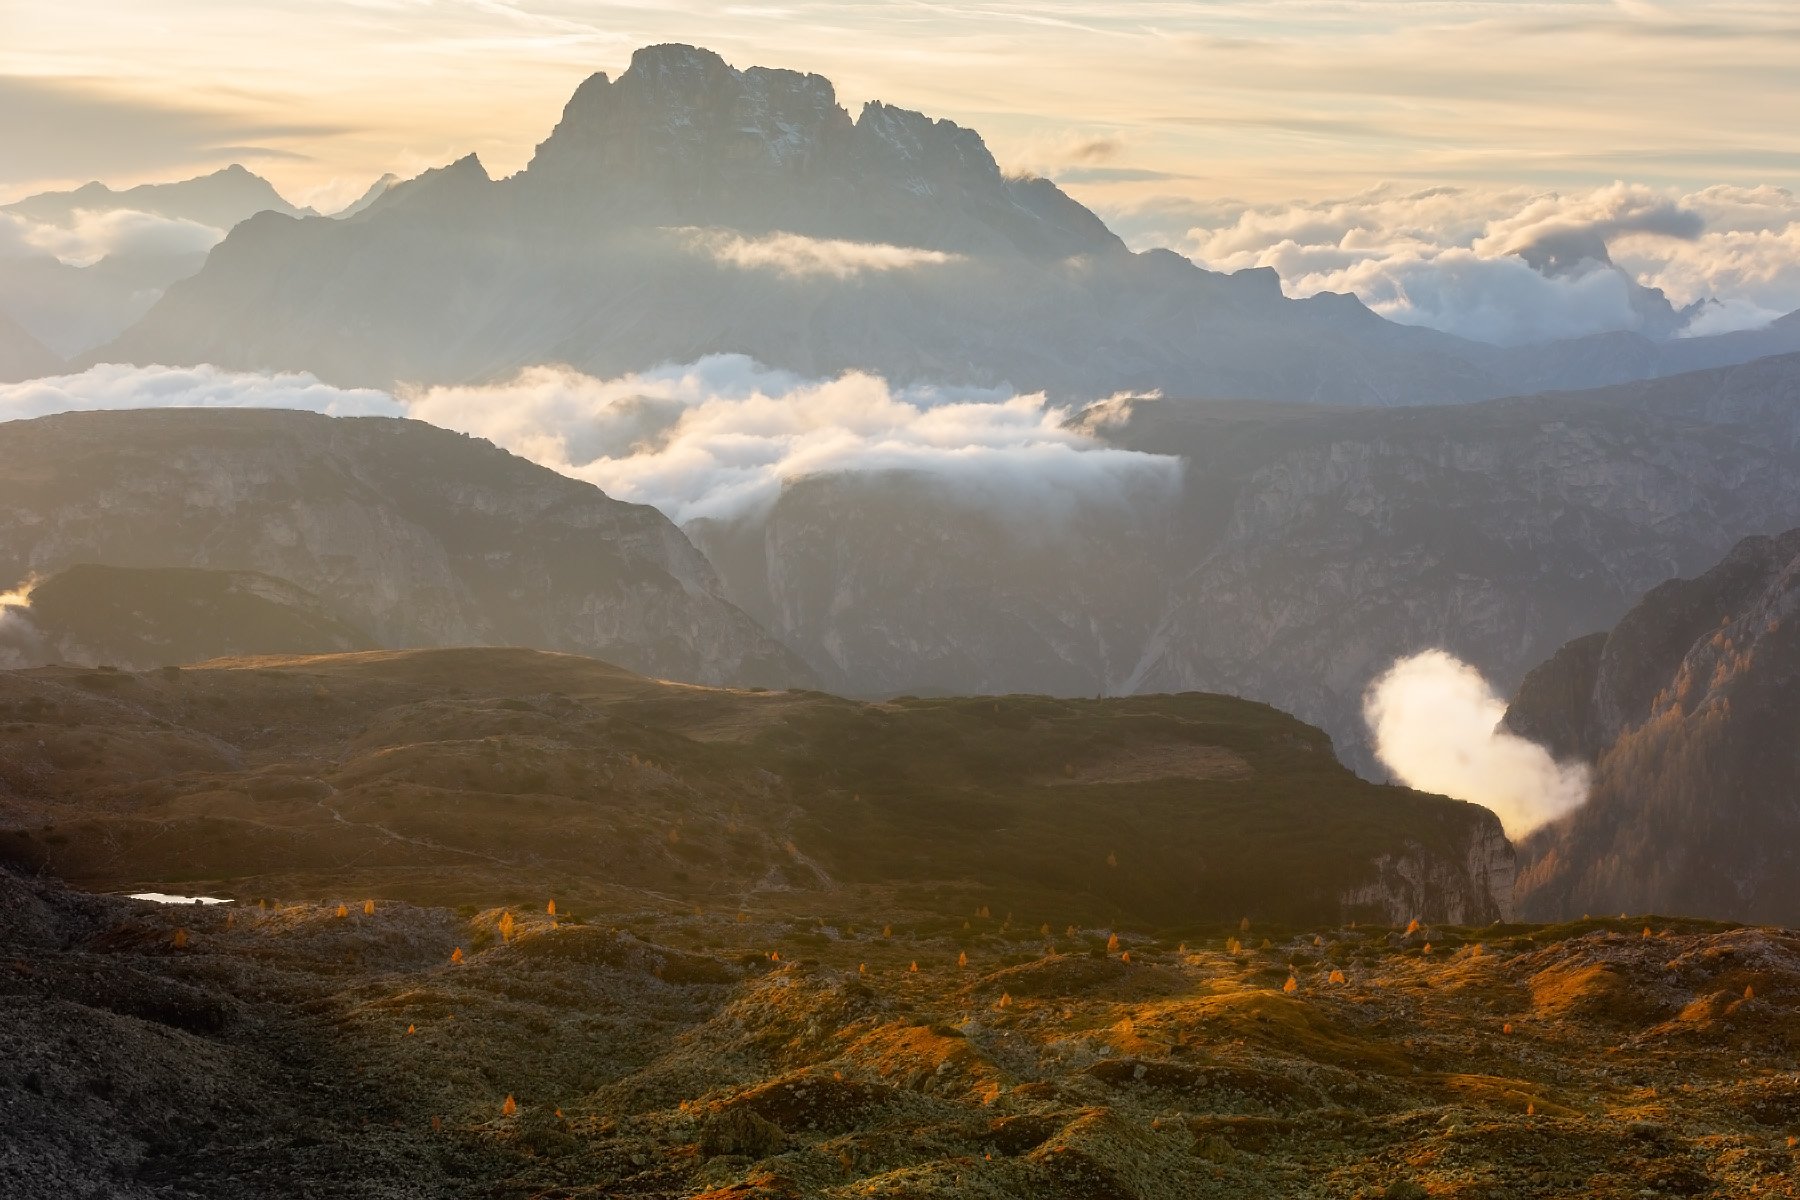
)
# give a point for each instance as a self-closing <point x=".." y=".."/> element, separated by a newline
<point x="715" y="438"/>
<point x="115" y="386"/>
<point x="1590" y="222"/>
<point x="720" y="437"/>
<point x="1436" y="724"/>
<point x="796" y="255"/>
<point x="96" y="234"/>
<point x="1499" y="300"/>
<point x="1451" y="258"/>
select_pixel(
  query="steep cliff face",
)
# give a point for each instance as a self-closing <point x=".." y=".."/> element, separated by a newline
<point x="896" y="582"/>
<point x="1690" y="711"/>
<point x="413" y="534"/>
<point x="1304" y="550"/>
<point x="1476" y="890"/>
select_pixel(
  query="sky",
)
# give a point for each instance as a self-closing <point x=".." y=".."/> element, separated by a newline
<point x="1129" y="103"/>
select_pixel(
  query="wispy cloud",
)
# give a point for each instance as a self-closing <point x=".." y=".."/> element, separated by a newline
<point x="800" y="256"/>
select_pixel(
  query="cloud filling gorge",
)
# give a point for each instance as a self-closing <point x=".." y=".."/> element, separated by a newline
<point x="717" y="438"/>
<point x="1460" y="259"/>
<point x="1436" y="725"/>
<point x="798" y="256"/>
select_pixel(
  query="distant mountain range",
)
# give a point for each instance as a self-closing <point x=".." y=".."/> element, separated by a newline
<point x="689" y="208"/>
<point x="220" y="199"/>
<point x="412" y="535"/>
<point x="1689" y="709"/>
<point x="72" y="307"/>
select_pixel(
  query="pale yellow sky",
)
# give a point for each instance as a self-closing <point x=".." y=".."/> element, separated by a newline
<point x="1125" y="101"/>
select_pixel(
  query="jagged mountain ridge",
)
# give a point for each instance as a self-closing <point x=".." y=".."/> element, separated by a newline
<point x="1689" y="709"/>
<point x="590" y="257"/>
<point x="413" y="534"/>
<point x="1308" y="547"/>
<point x="620" y="247"/>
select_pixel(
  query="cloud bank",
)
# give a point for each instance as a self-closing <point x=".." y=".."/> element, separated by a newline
<point x="114" y="386"/>
<point x="95" y="234"/>
<point x="1435" y="723"/>
<point x="798" y="256"/>
<point x="717" y="438"/>
<point x="1509" y="265"/>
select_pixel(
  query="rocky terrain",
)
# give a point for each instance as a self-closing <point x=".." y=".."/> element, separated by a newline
<point x="688" y="208"/>
<point x="141" y="618"/>
<point x="363" y="1047"/>
<point x="410" y="534"/>
<point x="492" y="776"/>
<point x="1307" y="549"/>
<point x="1688" y="710"/>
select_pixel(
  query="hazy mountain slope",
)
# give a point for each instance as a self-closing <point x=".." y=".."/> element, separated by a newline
<point x="22" y="356"/>
<point x="1690" y="710"/>
<point x="413" y="534"/>
<point x="375" y="191"/>
<point x="1609" y="358"/>
<point x="220" y="199"/>
<point x="633" y="239"/>
<point x="1307" y="549"/>
<point x="138" y="618"/>
<point x="74" y="306"/>
<point x="71" y="309"/>
<point x="478" y="775"/>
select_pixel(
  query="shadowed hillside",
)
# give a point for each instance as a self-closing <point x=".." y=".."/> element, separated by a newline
<point x="1690" y="710"/>
<point x="146" y="617"/>
<point x="490" y="776"/>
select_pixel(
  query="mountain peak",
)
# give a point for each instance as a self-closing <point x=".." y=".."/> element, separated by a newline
<point x="679" y="111"/>
<point x="676" y="58"/>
